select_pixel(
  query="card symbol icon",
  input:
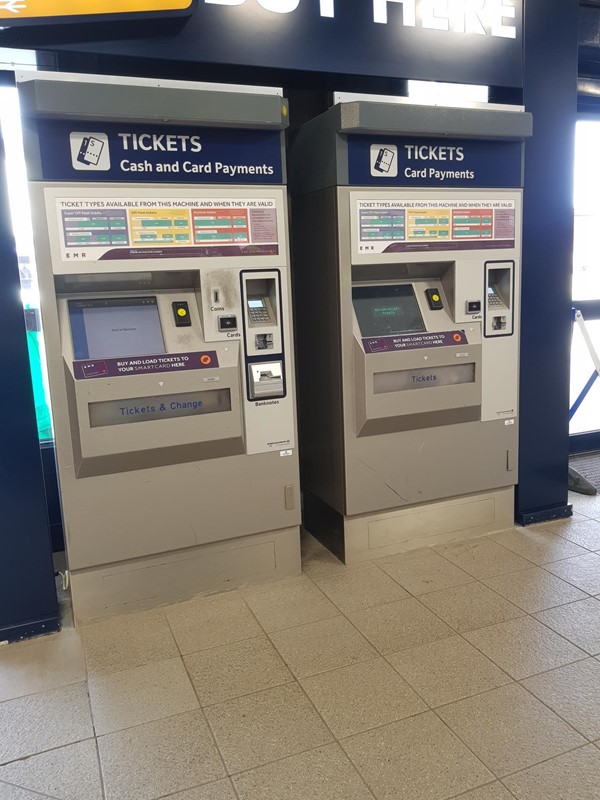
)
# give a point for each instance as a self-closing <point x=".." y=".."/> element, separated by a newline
<point x="90" y="151"/>
<point x="384" y="160"/>
<point x="94" y="369"/>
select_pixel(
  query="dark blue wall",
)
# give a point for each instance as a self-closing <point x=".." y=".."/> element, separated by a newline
<point x="28" y="604"/>
<point x="550" y="93"/>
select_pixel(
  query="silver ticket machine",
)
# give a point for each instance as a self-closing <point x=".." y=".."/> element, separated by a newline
<point x="161" y="240"/>
<point x="407" y="262"/>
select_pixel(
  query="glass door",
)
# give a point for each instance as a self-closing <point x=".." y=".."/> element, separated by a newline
<point x="584" y="423"/>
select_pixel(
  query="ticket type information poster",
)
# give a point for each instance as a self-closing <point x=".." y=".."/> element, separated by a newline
<point x="107" y="229"/>
<point x="395" y="226"/>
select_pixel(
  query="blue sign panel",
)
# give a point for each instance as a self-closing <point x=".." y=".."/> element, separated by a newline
<point x="120" y="152"/>
<point x="463" y="41"/>
<point x="452" y="163"/>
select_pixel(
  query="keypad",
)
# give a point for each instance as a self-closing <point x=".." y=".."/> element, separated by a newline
<point x="258" y="315"/>
<point x="494" y="300"/>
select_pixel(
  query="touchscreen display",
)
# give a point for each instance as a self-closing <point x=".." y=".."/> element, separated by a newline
<point x="116" y="326"/>
<point x="387" y="310"/>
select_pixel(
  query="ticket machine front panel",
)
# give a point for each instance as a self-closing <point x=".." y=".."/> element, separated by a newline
<point x="430" y="365"/>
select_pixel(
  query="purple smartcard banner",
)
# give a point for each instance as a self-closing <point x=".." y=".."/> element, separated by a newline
<point x="144" y="365"/>
<point x="414" y="341"/>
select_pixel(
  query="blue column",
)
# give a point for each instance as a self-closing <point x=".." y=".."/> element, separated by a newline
<point x="550" y="93"/>
<point x="28" y="603"/>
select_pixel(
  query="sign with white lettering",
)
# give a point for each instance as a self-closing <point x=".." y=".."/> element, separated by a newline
<point x="80" y="151"/>
<point x="144" y="365"/>
<point x="465" y="41"/>
<point x="414" y="341"/>
<point x="402" y="161"/>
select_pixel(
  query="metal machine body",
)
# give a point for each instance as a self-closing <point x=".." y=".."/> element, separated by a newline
<point x="161" y="243"/>
<point x="407" y="237"/>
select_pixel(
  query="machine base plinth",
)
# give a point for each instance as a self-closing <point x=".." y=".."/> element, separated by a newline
<point x="146" y="583"/>
<point x="385" y="533"/>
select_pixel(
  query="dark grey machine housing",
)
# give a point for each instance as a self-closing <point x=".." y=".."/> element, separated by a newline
<point x="384" y="469"/>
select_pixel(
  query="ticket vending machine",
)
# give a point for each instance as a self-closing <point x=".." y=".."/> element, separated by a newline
<point x="161" y="243"/>
<point x="407" y="241"/>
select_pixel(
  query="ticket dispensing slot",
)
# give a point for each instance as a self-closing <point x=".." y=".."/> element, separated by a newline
<point x="499" y="294"/>
<point x="263" y="334"/>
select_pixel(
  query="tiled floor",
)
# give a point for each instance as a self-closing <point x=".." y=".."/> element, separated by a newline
<point x="471" y="670"/>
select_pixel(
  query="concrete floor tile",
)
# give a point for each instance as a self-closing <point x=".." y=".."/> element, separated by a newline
<point x="266" y="726"/>
<point x="508" y="729"/>
<point x="127" y="641"/>
<point x="361" y="588"/>
<point x="47" y="662"/>
<point x="585" y="533"/>
<point x="220" y="790"/>
<point x="578" y="622"/>
<point x="538" y="545"/>
<point x="8" y="792"/>
<point x="573" y="776"/>
<point x="583" y="572"/>
<point x="233" y="670"/>
<point x="588" y="505"/>
<point x="319" y="562"/>
<point x="362" y="696"/>
<point x="578" y="513"/>
<point x="493" y="791"/>
<point x="67" y="773"/>
<point x="44" y="721"/>
<point x="524" y="647"/>
<point x="321" y="774"/>
<point x="288" y="603"/>
<point x="396" y="626"/>
<point x="415" y="759"/>
<point x="534" y="589"/>
<point x="573" y="692"/>
<point x="160" y="758"/>
<point x="448" y="670"/>
<point x="482" y="558"/>
<point x="423" y="570"/>
<point x="321" y="646"/>
<point x="144" y="694"/>
<point x="211" y="621"/>
<point x="308" y="542"/>
<point x="471" y="606"/>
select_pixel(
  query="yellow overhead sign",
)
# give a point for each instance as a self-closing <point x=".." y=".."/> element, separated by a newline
<point x="30" y="9"/>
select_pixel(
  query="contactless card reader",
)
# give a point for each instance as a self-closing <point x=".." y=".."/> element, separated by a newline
<point x="434" y="299"/>
<point x="181" y="314"/>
